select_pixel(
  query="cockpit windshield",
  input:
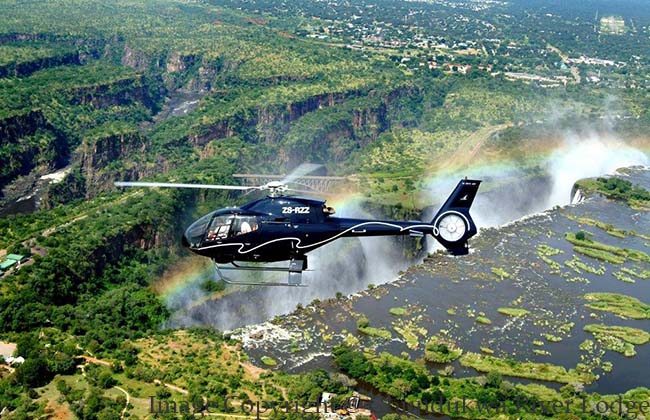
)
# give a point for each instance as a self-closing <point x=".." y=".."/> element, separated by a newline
<point x="196" y="231"/>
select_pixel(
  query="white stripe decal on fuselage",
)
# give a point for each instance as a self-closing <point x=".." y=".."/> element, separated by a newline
<point x="298" y="240"/>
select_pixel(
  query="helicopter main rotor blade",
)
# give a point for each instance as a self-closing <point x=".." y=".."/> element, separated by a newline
<point x="301" y="170"/>
<point x="312" y="192"/>
<point x="174" y="185"/>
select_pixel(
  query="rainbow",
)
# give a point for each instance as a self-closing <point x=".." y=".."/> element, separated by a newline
<point x="188" y="273"/>
<point x="183" y="280"/>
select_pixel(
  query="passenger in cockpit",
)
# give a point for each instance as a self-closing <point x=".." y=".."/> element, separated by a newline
<point x="245" y="227"/>
<point x="328" y="210"/>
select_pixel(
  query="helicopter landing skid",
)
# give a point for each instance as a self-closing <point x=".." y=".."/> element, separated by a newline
<point x="295" y="269"/>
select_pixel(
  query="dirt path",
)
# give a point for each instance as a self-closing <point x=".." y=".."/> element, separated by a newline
<point x="128" y="400"/>
<point x="83" y="215"/>
<point x="172" y="387"/>
<point x="96" y="361"/>
<point x="469" y="148"/>
<point x="9" y="368"/>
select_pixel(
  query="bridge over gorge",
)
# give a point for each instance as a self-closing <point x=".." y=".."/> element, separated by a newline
<point x="317" y="183"/>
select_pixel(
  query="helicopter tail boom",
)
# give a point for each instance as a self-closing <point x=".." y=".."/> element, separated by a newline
<point x="453" y="225"/>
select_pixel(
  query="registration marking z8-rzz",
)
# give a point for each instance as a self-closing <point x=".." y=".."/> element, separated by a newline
<point x="295" y="210"/>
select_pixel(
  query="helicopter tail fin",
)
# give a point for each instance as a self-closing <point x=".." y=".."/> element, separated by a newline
<point x="453" y="223"/>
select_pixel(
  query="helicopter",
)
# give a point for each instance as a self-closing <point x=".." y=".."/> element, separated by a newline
<point x="284" y="227"/>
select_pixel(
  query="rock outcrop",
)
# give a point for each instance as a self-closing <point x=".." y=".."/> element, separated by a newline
<point x="107" y="158"/>
<point x="28" y="140"/>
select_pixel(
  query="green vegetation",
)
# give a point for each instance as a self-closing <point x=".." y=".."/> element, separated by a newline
<point x="409" y="336"/>
<point x="619" y="275"/>
<point x="363" y="325"/>
<point x="599" y="255"/>
<point x="619" y="189"/>
<point x="483" y="320"/>
<point x="410" y="332"/>
<point x="618" y="338"/>
<point x="587" y="345"/>
<point x="547" y="251"/>
<point x="627" y="334"/>
<point x="544" y="252"/>
<point x="500" y="273"/>
<point x="579" y="266"/>
<point x="610" y="342"/>
<point x="398" y="311"/>
<point x="604" y="252"/>
<point x="516" y="312"/>
<point x="611" y="229"/>
<point x="411" y="383"/>
<point x="530" y="370"/>
<point x="621" y="305"/>
<point x="438" y="350"/>
<point x="269" y="361"/>
<point x="376" y="332"/>
<point x="552" y="338"/>
<point x="640" y="274"/>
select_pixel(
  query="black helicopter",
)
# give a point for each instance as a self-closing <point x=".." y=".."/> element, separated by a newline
<point x="285" y="228"/>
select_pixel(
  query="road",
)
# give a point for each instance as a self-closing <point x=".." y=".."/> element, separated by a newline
<point x="565" y="59"/>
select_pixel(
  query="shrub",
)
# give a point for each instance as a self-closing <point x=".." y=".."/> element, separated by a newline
<point x="363" y="322"/>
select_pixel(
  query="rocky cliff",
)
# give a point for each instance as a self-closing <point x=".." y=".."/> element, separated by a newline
<point x="108" y="157"/>
<point x="122" y="92"/>
<point x="28" y="140"/>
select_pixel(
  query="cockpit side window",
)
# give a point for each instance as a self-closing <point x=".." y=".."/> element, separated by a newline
<point x="244" y="224"/>
<point x="219" y="228"/>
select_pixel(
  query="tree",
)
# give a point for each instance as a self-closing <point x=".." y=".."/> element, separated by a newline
<point x="33" y="372"/>
<point x="494" y="379"/>
<point x="363" y="322"/>
<point x="106" y="380"/>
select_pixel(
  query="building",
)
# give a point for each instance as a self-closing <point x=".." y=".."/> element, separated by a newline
<point x="15" y="360"/>
<point x="10" y="261"/>
<point x="16" y="257"/>
<point x="6" y="265"/>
